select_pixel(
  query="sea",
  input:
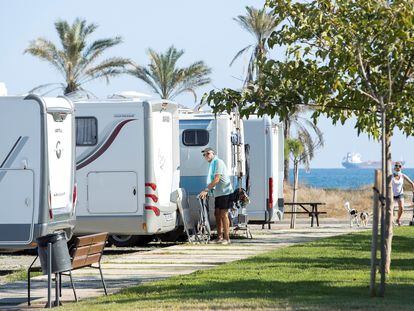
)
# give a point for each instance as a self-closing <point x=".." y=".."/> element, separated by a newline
<point x="340" y="178"/>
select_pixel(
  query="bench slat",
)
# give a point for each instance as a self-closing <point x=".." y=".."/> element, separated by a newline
<point x="92" y="239"/>
<point x="88" y="250"/>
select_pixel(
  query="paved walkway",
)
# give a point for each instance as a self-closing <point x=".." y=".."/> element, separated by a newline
<point x="134" y="268"/>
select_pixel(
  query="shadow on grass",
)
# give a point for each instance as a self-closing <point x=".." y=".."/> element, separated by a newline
<point x="332" y="273"/>
<point x="305" y="293"/>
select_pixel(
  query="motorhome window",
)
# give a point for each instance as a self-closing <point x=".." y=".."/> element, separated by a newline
<point x="86" y="131"/>
<point x="195" y="137"/>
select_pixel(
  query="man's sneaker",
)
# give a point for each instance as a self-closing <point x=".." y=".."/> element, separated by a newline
<point x="225" y="242"/>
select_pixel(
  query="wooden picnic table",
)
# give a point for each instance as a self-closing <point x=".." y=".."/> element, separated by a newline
<point x="310" y="208"/>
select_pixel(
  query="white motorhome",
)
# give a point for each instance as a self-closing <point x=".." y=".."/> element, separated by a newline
<point x="198" y="131"/>
<point x="37" y="164"/>
<point x="127" y="162"/>
<point x="266" y="156"/>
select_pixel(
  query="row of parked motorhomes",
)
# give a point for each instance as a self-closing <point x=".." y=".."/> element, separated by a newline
<point x="121" y="165"/>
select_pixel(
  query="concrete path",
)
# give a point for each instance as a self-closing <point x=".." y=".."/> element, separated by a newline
<point x="135" y="268"/>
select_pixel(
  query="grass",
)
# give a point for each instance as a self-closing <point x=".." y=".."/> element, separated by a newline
<point x="20" y="275"/>
<point x="329" y="274"/>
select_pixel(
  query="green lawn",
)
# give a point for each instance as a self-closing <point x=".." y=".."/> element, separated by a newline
<point x="330" y="274"/>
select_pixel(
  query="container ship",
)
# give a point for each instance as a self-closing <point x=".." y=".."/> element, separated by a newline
<point x="354" y="161"/>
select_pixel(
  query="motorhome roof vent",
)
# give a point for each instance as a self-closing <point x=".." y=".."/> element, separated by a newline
<point x="81" y="95"/>
<point x="129" y="94"/>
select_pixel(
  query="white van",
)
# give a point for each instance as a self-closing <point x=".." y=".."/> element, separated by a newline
<point x="266" y="156"/>
<point x="37" y="160"/>
<point x="127" y="162"/>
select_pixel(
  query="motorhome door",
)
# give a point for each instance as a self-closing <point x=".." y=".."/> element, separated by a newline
<point x="112" y="192"/>
<point x="195" y="135"/>
<point x="17" y="206"/>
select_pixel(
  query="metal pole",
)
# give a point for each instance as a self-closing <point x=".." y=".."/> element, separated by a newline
<point x="49" y="275"/>
<point x="57" y="292"/>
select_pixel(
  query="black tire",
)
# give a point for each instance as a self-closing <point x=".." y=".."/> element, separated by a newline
<point x="129" y="240"/>
<point x="177" y="235"/>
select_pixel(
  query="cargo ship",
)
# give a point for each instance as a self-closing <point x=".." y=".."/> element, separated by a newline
<point x="354" y="161"/>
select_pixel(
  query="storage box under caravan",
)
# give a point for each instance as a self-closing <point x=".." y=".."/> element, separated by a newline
<point x="127" y="168"/>
<point x="266" y="157"/>
<point x="198" y="131"/>
<point x="37" y="159"/>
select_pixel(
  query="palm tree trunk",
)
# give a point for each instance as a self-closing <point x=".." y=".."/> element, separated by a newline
<point x="286" y="135"/>
<point x="295" y="192"/>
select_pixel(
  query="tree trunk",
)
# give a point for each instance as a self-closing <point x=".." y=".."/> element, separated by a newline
<point x="295" y="192"/>
<point x="387" y="210"/>
<point x="383" y="194"/>
<point x="389" y="205"/>
<point x="374" y="243"/>
<point x="286" y="135"/>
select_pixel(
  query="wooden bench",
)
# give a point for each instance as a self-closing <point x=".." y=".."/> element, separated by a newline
<point x="85" y="252"/>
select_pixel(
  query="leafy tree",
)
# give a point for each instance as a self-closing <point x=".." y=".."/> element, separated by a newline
<point x="277" y="92"/>
<point x="166" y="79"/>
<point x="260" y="24"/>
<point x="77" y="60"/>
<point x="356" y="61"/>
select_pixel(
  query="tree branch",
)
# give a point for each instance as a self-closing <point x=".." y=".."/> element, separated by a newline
<point x="365" y="75"/>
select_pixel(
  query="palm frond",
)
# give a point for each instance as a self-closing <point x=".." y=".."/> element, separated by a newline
<point x="143" y="74"/>
<point x="260" y="24"/>
<point x="239" y="53"/>
<point x="46" y="51"/>
<point x="108" y="68"/>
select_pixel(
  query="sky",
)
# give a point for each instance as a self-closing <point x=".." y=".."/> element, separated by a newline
<point x="205" y="30"/>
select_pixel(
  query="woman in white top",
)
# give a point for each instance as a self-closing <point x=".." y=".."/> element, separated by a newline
<point x="398" y="188"/>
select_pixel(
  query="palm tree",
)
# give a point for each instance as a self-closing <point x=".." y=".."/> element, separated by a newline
<point x="260" y="24"/>
<point x="302" y="150"/>
<point x="296" y="149"/>
<point x="76" y="60"/>
<point x="302" y="129"/>
<point x="166" y="79"/>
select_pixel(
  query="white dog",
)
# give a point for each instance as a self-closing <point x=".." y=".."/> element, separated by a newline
<point x="364" y="218"/>
<point x="353" y="214"/>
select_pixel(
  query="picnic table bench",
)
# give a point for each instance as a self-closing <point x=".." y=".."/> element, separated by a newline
<point x="310" y="208"/>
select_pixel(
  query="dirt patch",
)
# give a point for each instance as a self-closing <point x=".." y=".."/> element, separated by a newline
<point x="360" y="199"/>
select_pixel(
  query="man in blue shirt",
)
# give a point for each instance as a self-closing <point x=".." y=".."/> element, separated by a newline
<point x="218" y="183"/>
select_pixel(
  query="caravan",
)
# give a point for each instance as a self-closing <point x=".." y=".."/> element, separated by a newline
<point x="266" y="154"/>
<point x="37" y="190"/>
<point x="127" y="162"/>
<point x="201" y="130"/>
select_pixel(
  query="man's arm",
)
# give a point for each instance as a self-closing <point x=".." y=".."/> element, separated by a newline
<point x="215" y="181"/>
<point x="210" y="186"/>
